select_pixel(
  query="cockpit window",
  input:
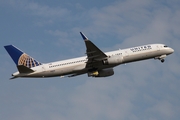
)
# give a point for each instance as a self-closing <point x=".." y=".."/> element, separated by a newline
<point x="165" y="46"/>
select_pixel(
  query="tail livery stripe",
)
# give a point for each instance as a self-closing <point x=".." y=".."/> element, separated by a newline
<point x="21" y="58"/>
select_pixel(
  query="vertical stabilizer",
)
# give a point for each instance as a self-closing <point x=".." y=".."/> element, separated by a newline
<point x="21" y="58"/>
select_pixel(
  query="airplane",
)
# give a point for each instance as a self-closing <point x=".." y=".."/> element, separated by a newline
<point x="96" y="63"/>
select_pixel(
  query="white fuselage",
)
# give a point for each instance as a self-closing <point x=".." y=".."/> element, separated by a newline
<point x="70" y="66"/>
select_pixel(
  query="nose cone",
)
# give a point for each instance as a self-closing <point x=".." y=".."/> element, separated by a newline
<point x="171" y="50"/>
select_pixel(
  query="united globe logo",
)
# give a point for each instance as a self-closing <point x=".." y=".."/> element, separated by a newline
<point x="27" y="61"/>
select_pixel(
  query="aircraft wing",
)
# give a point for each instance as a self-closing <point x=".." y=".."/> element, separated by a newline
<point x="94" y="54"/>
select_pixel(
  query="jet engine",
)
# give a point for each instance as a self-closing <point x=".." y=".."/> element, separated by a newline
<point x="161" y="58"/>
<point x="101" y="73"/>
<point x="116" y="59"/>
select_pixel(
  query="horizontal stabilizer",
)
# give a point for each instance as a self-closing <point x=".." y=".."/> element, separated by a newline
<point x="24" y="69"/>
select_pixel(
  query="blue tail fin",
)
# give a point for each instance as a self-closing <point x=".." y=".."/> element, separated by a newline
<point x="21" y="58"/>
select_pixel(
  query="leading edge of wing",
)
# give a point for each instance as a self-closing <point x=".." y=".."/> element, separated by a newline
<point x="92" y="51"/>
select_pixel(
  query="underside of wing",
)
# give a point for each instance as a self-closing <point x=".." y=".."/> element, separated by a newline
<point x="76" y="74"/>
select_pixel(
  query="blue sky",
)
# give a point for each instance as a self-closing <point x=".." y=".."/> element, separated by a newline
<point x="49" y="31"/>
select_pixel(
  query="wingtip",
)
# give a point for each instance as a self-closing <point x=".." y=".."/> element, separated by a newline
<point x="83" y="36"/>
<point x="14" y="77"/>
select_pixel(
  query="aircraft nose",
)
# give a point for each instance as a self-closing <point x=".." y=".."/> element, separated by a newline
<point x="171" y="50"/>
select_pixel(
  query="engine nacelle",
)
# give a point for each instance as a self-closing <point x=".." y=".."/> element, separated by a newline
<point x="160" y="57"/>
<point x="116" y="59"/>
<point x="101" y="73"/>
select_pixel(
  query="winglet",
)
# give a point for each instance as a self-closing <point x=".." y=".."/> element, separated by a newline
<point x="83" y="36"/>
